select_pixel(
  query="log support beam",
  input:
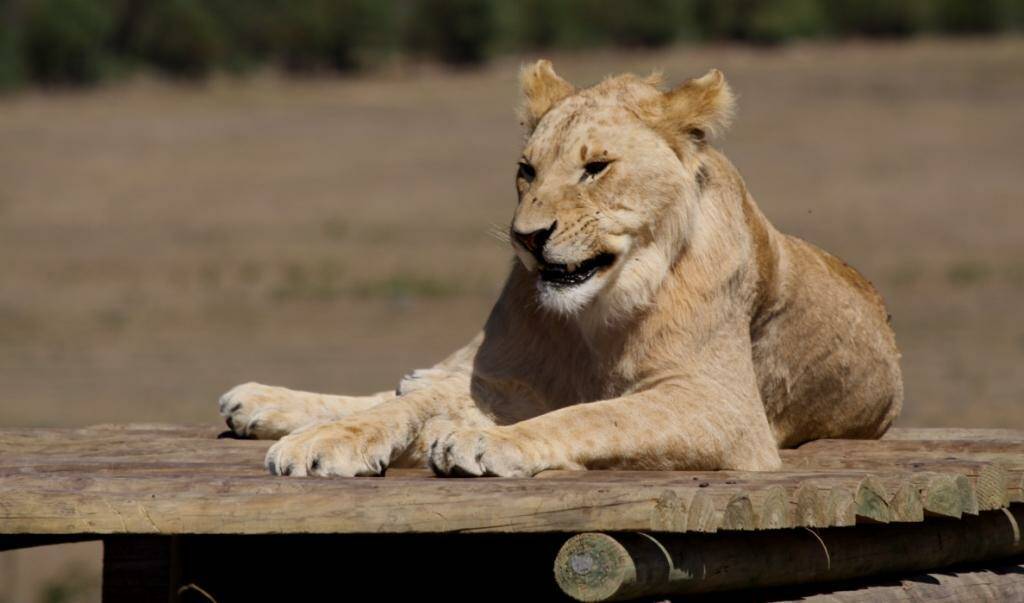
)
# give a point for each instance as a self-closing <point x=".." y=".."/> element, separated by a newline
<point x="611" y="567"/>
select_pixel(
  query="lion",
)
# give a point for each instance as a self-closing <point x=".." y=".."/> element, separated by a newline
<point x="653" y="318"/>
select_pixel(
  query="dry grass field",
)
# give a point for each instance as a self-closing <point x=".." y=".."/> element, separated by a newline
<point x="161" y="243"/>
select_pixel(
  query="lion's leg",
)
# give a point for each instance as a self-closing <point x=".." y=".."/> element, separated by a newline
<point x="395" y="432"/>
<point x="637" y="432"/>
<point x="672" y="427"/>
<point x="707" y="415"/>
<point x="269" y="412"/>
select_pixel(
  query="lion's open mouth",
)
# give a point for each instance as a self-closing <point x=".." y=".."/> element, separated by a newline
<point x="570" y="275"/>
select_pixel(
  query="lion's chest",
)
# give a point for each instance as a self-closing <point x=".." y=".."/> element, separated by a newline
<point x="523" y="382"/>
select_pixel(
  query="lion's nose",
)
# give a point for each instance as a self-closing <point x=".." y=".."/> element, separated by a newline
<point x="534" y="241"/>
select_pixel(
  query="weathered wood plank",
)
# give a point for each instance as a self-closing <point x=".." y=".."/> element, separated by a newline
<point x="146" y="478"/>
<point x="139" y="503"/>
<point x="948" y="444"/>
<point x="604" y="567"/>
<point x="955" y="433"/>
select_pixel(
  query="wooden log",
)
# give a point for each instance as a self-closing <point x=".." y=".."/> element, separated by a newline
<point x="990" y="480"/>
<point x="739" y="513"/>
<point x="762" y="509"/>
<point x="905" y="504"/>
<point x="944" y="495"/>
<point x="872" y="500"/>
<point x="835" y="497"/>
<point x="1003" y="582"/>
<point x="688" y="511"/>
<point x="1015" y="489"/>
<point x="812" y="506"/>
<point x="775" y="509"/>
<point x="702" y="514"/>
<point x="603" y="567"/>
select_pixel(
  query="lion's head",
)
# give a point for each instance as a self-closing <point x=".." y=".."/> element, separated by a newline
<point x="607" y="183"/>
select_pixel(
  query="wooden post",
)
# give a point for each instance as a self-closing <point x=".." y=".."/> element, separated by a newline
<point x="1004" y="582"/>
<point x="603" y="567"/>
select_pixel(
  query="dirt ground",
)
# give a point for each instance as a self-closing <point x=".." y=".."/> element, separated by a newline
<point x="161" y="243"/>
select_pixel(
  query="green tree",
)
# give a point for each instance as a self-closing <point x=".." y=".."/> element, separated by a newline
<point x="65" y="41"/>
<point x="456" y="31"/>
<point x="179" y="37"/>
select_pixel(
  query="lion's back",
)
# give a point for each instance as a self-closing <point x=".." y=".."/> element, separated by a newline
<point x="827" y="361"/>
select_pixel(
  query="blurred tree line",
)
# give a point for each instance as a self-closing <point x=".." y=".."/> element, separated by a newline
<point x="84" y="41"/>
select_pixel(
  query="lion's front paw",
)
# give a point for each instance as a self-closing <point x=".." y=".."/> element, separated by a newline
<point x="254" y="410"/>
<point x="342" y="448"/>
<point x="491" y="451"/>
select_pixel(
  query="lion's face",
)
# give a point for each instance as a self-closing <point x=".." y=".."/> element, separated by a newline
<point x="592" y="182"/>
<point x="603" y="193"/>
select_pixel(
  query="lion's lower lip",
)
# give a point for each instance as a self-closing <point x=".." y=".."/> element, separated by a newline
<point x="560" y="275"/>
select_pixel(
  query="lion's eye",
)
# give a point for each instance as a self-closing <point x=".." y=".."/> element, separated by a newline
<point x="595" y="167"/>
<point x="526" y="172"/>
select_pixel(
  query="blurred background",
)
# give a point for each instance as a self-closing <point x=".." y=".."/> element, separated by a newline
<point x="197" y="193"/>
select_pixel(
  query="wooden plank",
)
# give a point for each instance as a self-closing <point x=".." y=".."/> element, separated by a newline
<point x="121" y="448"/>
<point x="1012" y="449"/>
<point x="213" y="429"/>
<point x="605" y="567"/>
<point x="161" y="478"/>
<point x="669" y="501"/>
<point x="955" y="433"/>
<point x="101" y="504"/>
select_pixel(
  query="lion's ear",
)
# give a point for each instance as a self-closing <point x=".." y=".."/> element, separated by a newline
<point x="542" y="88"/>
<point x="699" y="107"/>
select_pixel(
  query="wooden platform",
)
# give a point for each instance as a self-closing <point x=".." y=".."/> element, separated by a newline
<point x="165" y="480"/>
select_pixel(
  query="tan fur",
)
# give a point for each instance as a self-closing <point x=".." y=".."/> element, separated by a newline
<point x="709" y="342"/>
<point x="542" y="88"/>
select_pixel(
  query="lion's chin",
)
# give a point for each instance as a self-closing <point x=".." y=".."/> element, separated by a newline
<point x="567" y="289"/>
<point x="569" y="299"/>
